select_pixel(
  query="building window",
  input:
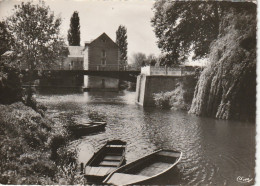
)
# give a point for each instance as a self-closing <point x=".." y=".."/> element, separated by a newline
<point x="103" y="61"/>
<point x="103" y="54"/>
<point x="103" y="57"/>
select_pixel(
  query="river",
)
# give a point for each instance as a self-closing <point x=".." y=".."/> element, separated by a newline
<point x="215" y="152"/>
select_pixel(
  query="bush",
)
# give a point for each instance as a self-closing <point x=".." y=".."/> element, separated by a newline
<point x="180" y="98"/>
<point x="162" y="99"/>
<point x="28" y="145"/>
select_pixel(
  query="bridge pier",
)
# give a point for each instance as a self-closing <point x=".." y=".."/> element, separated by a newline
<point x="148" y="85"/>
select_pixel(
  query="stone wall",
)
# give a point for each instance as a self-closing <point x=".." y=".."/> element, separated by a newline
<point x="147" y="86"/>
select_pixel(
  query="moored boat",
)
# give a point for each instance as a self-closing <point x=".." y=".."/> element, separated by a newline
<point x="87" y="128"/>
<point x="145" y="169"/>
<point x="106" y="160"/>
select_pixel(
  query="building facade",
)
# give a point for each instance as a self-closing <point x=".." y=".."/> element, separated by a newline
<point x="101" y="54"/>
<point x="75" y="59"/>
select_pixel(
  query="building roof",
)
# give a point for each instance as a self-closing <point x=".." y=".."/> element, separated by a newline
<point x="102" y="36"/>
<point x="75" y="51"/>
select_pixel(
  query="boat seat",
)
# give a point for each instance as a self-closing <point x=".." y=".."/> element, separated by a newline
<point x="109" y="163"/>
<point x="112" y="158"/>
<point x="116" y="146"/>
<point x="169" y="154"/>
<point x="98" y="171"/>
<point x="125" y="179"/>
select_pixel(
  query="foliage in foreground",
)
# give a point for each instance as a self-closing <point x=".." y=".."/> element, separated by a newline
<point x="33" y="148"/>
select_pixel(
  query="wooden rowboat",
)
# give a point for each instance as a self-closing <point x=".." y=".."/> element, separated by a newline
<point x="106" y="160"/>
<point x="145" y="169"/>
<point x="87" y="128"/>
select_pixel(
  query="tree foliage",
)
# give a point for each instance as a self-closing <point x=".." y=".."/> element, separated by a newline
<point x="227" y="87"/>
<point x="121" y="41"/>
<point x="185" y="26"/>
<point x="138" y="60"/>
<point x="74" y="31"/>
<point x="10" y="84"/>
<point x="35" y="31"/>
<point x="5" y="38"/>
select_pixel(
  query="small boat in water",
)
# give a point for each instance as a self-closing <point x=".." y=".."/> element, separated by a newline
<point x="106" y="160"/>
<point x="145" y="169"/>
<point x="87" y="128"/>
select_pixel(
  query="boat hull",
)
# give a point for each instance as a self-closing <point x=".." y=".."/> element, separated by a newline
<point x="83" y="129"/>
<point x="106" y="160"/>
<point x="145" y="170"/>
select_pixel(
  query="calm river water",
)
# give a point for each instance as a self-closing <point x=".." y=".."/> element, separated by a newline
<point x="215" y="152"/>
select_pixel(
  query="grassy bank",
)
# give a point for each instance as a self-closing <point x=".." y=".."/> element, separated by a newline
<point x="33" y="148"/>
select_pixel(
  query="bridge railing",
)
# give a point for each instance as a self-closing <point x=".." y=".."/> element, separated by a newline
<point x="167" y="71"/>
<point x="112" y="67"/>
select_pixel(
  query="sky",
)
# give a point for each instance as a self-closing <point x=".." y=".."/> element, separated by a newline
<point x="99" y="16"/>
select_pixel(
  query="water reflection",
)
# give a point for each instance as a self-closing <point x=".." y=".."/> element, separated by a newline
<point x="214" y="151"/>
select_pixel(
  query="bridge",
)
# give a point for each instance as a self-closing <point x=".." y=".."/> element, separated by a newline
<point x="124" y="73"/>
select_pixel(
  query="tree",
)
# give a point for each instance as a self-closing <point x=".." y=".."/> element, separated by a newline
<point x="36" y="34"/>
<point x="10" y="84"/>
<point x="139" y="60"/>
<point x="182" y="27"/>
<point x="5" y="38"/>
<point x="37" y="42"/>
<point x="121" y="41"/>
<point x="151" y="60"/>
<point x="227" y="86"/>
<point x="74" y="31"/>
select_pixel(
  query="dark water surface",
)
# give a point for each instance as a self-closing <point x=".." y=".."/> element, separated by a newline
<point x="215" y="152"/>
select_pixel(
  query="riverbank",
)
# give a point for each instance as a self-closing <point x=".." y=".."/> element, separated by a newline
<point x="33" y="148"/>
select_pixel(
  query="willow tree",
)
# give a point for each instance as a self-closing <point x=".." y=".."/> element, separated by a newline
<point x="74" y="31"/>
<point x="121" y="41"/>
<point x="36" y="34"/>
<point x="227" y="87"/>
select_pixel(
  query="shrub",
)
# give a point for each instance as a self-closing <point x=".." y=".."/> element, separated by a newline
<point x="162" y="99"/>
<point x="180" y="98"/>
<point x="28" y="145"/>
